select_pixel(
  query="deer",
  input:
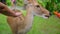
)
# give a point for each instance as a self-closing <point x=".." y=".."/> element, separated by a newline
<point x="23" y="24"/>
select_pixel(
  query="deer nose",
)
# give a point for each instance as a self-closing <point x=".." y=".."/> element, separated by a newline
<point x="50" y="13"/>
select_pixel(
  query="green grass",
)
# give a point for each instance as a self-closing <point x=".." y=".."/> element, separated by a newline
<point x="40" y="25"/>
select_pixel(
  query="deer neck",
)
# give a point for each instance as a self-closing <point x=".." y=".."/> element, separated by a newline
<point x="29" y="18"/>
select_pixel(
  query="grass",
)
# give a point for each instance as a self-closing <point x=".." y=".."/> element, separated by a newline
<point x="40" y="25"/>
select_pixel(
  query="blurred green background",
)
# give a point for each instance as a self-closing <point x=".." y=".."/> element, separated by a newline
<point x="40" y="25"/>
<point x="51" y="5"/>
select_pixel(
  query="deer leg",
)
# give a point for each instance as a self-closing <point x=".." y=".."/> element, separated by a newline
<point x="14" y="29"/>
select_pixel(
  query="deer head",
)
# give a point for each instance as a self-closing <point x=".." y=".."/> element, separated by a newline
<point x="37" y="9"/>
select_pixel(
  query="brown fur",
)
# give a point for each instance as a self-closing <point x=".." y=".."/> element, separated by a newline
<point x="21" y="24"/>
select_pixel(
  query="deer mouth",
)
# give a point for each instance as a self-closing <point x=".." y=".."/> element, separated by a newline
<point x="45" y="16"/>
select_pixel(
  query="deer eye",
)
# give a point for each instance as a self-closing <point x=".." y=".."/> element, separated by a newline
<point x="37" y="6"/>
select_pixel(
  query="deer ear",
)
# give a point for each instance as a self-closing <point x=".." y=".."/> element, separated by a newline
<point x="26" y="0"/>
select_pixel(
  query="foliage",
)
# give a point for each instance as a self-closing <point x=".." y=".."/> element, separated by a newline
<point x="8" y="2"/>
<point x="51" y="5"/>
<point x="20" y="2"/>
<point x="58" y="6"/>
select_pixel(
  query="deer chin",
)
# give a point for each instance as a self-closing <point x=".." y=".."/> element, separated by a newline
<point x="44" y="16"/>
